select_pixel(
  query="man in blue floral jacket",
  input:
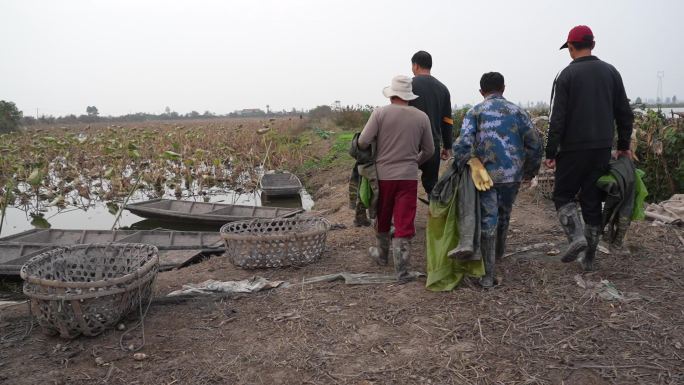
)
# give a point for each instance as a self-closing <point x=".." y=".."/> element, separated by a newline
<point x="500" y="144"/>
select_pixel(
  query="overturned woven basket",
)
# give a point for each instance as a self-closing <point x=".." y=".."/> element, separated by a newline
<point x="280" y="242"/>
<point x="83" y="289"/>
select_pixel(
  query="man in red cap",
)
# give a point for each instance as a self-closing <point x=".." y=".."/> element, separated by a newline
<point x="588" y="102"/>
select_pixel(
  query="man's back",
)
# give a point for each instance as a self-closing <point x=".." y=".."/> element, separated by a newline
<point x="502" y="136"/>
<point x="588" y="99"/>
<point x="403" y="134"/>
<point x="435" y="101"/>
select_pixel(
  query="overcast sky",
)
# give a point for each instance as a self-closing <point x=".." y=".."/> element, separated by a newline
<point x="131" y="56"/>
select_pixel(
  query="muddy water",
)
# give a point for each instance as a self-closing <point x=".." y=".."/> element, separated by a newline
<point x="97" y="216"/>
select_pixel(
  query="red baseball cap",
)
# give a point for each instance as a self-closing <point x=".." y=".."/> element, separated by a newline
<point x="578" y="34"/>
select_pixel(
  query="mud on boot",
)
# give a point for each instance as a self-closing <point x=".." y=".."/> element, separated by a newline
<point x="572" y="225"/>
<point x="593" y="235"/>
<point x="488" y="246"/>
<point x="400" y="254"/>
<point x="380" y="252"/>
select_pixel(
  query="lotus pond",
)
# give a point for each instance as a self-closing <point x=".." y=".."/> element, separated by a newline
<point x="80" y="176"/>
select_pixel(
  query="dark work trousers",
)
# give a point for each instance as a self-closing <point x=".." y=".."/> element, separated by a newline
<point x="496" y="205"/>
<point x="430" y="171"/>
<point x="578" y="171"/>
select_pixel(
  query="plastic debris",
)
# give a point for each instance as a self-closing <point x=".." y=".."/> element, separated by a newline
<point x="605" y="290"/>
<point x="360" y="278"/>
<point x="211" y="286"/>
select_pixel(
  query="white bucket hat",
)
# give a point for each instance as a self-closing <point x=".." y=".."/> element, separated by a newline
<point x="401" y="87"/>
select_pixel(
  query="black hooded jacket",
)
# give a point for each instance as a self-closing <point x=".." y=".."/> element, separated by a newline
<point x="587" y="102"/>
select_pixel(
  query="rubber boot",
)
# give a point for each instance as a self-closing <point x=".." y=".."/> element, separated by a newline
<point x="501" y="235"/>
<point x="593" y="235"/>
<point x="379" y="253"/>
<point x="400" y="254"/>
<point x="572" y="225"/>
<point x="488" y="246"/>
<point x="617" y="245"/>
<point x="360" y="217"/>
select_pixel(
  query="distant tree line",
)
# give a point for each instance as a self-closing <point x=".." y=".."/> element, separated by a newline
<point x="92" y="115"/>
<point x="10" y="116"/>
<point x="668" y="102"/>
<point x="345" y="117"/>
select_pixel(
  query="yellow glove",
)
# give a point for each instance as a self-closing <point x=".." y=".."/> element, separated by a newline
<point x="480" y="176"/>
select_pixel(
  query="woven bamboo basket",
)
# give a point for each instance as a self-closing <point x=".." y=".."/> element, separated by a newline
<point x="545" y="183"/>
<point x="280" y="242"/>
<point x="84" y="289"/>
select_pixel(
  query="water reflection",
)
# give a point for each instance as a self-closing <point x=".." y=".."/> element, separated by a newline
<point x="96" y="215"/>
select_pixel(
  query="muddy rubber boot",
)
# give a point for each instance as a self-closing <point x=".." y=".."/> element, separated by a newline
<point x="400" y="254"/>
<point x="617" y="245"/>
<point x="501" y="235"/>
<point x="593" y="235"/>
<point x="572" y="225"/>
<point x="360" y="217"/>
<point x="379" y="253"/>
<point x="488" y="246"/>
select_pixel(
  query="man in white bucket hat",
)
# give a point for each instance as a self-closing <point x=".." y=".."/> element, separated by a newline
<point x="404" y="141"/>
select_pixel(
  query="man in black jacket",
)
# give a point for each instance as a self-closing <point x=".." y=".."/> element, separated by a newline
<point x="434" y="99"/>
<point x="587" y="102"/>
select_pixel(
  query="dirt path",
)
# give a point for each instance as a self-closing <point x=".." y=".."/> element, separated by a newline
<point x="538" y="327"/>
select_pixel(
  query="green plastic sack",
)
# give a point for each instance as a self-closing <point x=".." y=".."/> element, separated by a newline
<point x="639" y="197"/>
<point x="365" y="192"/>
<point x="444" y="273"/>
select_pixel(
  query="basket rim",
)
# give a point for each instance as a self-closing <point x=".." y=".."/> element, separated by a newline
<point x="150" y="276"/>
<point x="142" y="271"/>
<point x="265" y="236"/>
<point x="274" y="237"/>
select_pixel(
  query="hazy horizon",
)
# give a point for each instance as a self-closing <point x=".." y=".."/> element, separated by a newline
<point x="126" y="56"/>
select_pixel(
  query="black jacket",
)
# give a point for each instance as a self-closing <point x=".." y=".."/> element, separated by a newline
<point x="587" y="101"/>
<point x="435" y="101"/>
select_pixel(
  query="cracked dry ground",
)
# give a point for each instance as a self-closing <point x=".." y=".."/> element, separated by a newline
<point x="538" y="327"/>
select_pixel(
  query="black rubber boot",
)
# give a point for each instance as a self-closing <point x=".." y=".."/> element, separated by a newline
<point x="379" y="253"/>
<point x="617" y="245"/>
<point x="501" y="235"/>
<point x="488" y="245"/>
<point x="593" y="235"/>
<point x="400" y="254"/>
<point x="572" y="225"/>
<point x="360" y="217"/>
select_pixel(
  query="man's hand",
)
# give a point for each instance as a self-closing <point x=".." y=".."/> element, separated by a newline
<point x="627" y="153"/>
<point x="526" y="183"/>
<point x="446" y="154"/>
<point x="550" y="163"/>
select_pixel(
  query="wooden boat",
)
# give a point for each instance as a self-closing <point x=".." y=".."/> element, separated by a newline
<point x="13" y="256"/>
<point x="203" y="213"/>
<point x="280" y="184"/>
<point x="16" y="249"/>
